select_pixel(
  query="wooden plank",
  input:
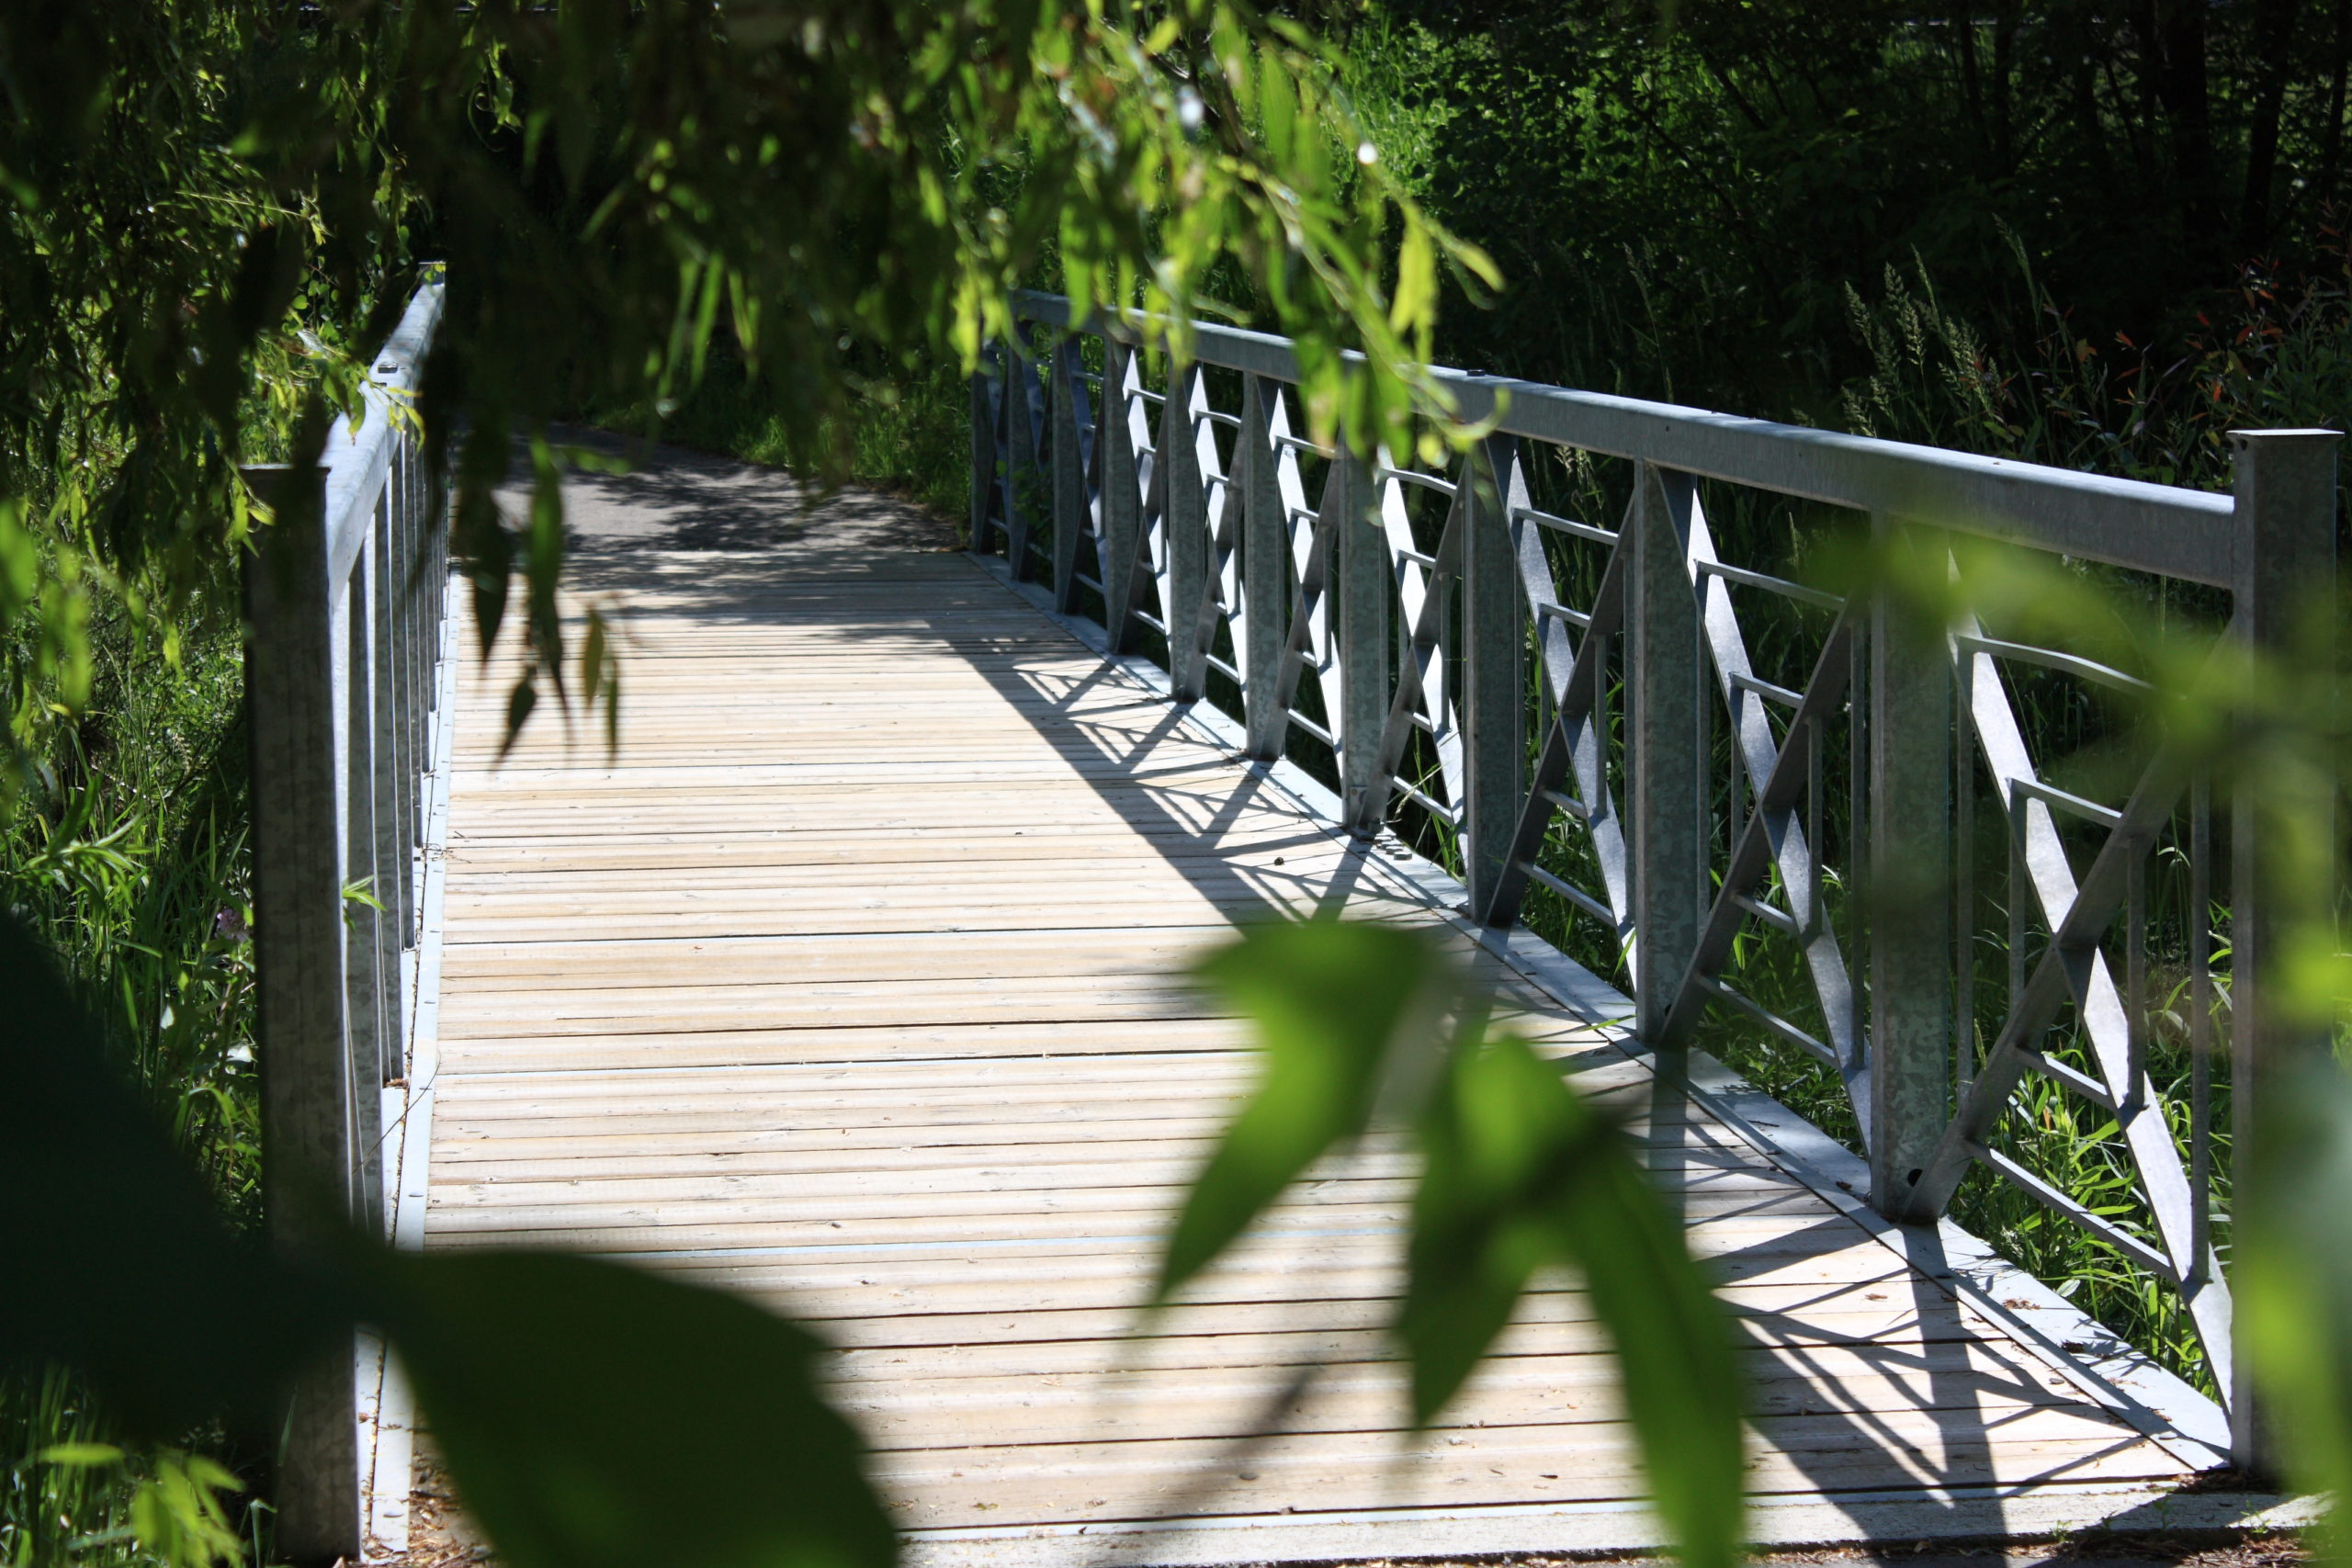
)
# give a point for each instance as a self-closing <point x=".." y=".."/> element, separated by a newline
<point x="852" y="984"/>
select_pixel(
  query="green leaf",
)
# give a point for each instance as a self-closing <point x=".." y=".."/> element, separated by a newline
<point x="80" y="1456"/>
<point x="178" y="1515"/>
<point x="2293" y="1275"/>
<point x="1416" y="298"/>
<point x="1332" y="1001"/>
<point x="123" y="1268"/>
<point x="590" y="1415"/>
<point x="597" y="1416"/>
<point x="1522" y="1172"/>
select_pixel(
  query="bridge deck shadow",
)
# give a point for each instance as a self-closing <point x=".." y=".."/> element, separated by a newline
<point x="852" y="983"/>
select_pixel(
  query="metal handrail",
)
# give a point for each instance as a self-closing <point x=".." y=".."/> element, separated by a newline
<point x="2162" y="530"/>
<point x="345" y="595"/>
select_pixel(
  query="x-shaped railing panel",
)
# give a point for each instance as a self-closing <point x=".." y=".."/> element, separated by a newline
<point x="1571" y="774"/>
<point x="1774" y="837"/>
<point x="2074" y="969"/>
<point x="1423" y="584"/>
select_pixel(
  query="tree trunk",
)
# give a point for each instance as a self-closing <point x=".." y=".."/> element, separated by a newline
<point x="2186" y="97"/>
<point x="2274" y="31"/>
<point x="2004" y="41"/>
<point x="2078" y="37"/>
<point x="1963" y="36"/>
<point x="2332" y="140"/>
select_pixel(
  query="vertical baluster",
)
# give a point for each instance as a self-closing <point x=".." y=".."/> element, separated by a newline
<point x="397" y="588"/>
<point x="421" y="598"/>
<point x="1184" y="527"/>
<point x="1122" y="479"/>
<point x="388" y="781"/>
<point x="1367" y="655"/>
<point x="2200" y="1026"/>
<point x="1494" y="648"/>
<point x="1857" y="826"/>
<point x="2135" y="985"/>
<point x="1073" y="419"/>
<point x="1667" y="779"/>
<point x="983" y="456"/>
<point x="1816" y="758"/>
<point x="1909" y="942"/>
<point x="2019" y="893"/>
<point x="364" y="987"/>
<point x="1021" y="445"/>
<point x="1735" y="787"/>
<point x="1964" y="901"/>
<point x="1265" y="567"/>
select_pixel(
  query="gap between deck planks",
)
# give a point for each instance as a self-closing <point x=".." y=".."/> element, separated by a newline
<point x="847" y="984"/>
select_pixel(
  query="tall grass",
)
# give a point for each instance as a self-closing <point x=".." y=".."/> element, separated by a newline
<point x="127" y="851"/>
<point x="909" y="433"/>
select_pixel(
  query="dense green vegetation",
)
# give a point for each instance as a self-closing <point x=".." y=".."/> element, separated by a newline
<point x="1689" y="211"/>
<point x="206" y="206"/>
<point x="2084" y="234"/>
<point x="2089" y="235"/>
<point x="908" y="431"/>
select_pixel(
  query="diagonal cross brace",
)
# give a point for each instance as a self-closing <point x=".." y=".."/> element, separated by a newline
<point x="1421" y="598"/>
<point x="1574" y="746"/>
<point x="1771" y="838"/>
<point x="2074" y="969"/>
<point x="1314" y="540"/>
<point x="1755" y="754"/>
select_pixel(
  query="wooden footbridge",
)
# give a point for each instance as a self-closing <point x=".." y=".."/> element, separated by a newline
<point x="848" y="983"/>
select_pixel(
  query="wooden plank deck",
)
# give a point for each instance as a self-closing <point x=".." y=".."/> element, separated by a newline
<point x="847" y="986"/>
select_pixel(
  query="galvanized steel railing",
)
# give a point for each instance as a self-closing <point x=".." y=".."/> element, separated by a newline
<point x="344" y="611"/>
<point x="1388" y="631"/>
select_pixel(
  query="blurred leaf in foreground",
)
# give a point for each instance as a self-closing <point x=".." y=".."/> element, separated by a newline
<point x="597" y="1414"/>
<point x="2294" y="1278"/>
<point x="1333" y="1004"/>
<point x="1521" y="1172"/>
<point x="588" y="1413"/>
<point x="119" y="1265"/>
<point x="1518" y="1172"/>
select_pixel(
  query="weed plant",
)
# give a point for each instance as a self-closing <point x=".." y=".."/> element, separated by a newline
<point x="909" y="433"/>
<point x="127" y="849"/>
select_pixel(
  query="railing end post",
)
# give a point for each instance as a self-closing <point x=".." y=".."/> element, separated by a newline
<point x="2284" y="484"/>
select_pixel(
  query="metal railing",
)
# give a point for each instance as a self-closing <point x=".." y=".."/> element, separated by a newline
<point x="344" y="606"/>
<point x="1661" y="787"/>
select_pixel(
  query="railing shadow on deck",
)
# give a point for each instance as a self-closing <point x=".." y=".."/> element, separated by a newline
<point x="1128" y="743"/>
<point x="1952" y="1397"/>
<point x="1183" y="506"/>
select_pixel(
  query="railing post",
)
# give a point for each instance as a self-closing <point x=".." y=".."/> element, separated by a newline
<point x="1494" y="641"/>
<point x="396" y="587"/>
<point x="374" y="1035"/>
<point x="1122" y="493"/>
<point x="1020" y="443"/>
<point x="308" y="1180"/>
<point x="1183" y="514"/>
<point x="2286" y="569"/>
<point x="1368" y="646"/>
<point x="1265" y="567"/>
<point x="1910" y="855"/>
<point x="1069" y="472"/>
<point x="1665" y="734"/>
<point x="983" y="453"/>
